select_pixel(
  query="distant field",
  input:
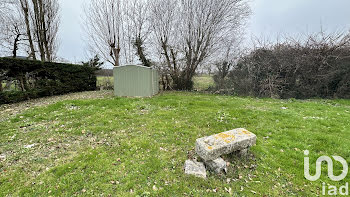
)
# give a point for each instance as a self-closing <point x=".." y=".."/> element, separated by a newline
<point x="201" y="83"/>
<point x="12" y="87"/>
<point x="104" y="81"/>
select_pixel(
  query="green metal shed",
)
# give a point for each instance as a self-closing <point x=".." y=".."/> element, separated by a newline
<point x="135" y="81"/>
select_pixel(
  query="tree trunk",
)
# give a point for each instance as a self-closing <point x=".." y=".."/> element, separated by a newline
<point x="140" y="52"/>
<point x="24" y="5"/>
<point x="44" y="31"/>
<point x="184" y="81"/>
<point x="116" y="52"/>
<point x="15" y="46"/>
<point x="39" y="30"/>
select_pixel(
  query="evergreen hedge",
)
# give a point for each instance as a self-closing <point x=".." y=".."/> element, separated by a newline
<point x="39" y="79"/>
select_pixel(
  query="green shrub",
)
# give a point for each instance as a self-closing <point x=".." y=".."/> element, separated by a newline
<point x="38" y="79"/>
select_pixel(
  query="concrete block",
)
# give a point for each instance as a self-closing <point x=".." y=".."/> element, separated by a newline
<point x="195" y="168"/>
<point x="212" y="147"/>
<point x="218" y="165"/>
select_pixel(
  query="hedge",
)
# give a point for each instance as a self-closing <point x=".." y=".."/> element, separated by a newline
<point x="39" y="79"/>
<point x="290" y="72"/>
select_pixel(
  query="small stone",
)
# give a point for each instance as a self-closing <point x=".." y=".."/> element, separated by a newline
<point x="195" y="168"/>
<point x="267" y="137"/>
<point x="218" y="165"/>
<point x="3" y="157"/>
<point x="229" y="190"/>
<point x="29" y="146"/>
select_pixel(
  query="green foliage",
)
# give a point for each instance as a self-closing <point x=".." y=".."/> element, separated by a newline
<point x="94" y="62"/>
<point x="39" y="79"/>
<point x="140" y="51"/>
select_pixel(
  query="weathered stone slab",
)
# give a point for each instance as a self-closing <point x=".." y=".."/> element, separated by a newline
<point x="195" y="168"/>
<point x="212" y="147"/>
<point x="218" y="165"/>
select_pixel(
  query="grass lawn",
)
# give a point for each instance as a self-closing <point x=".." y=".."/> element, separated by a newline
<point x="127" y="147"/>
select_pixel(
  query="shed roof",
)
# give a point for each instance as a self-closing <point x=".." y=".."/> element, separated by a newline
<point x="135" y="66"/>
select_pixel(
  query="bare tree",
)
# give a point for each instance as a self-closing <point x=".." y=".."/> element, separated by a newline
<point x="228" y="56"/>
<point x="45" y="16"/>
<point x="12" y="30"/>
<point x="118" y="30"/>
<point x="103" y="25"/>
<point x="24" y="7"/>
<point x="190" y="31"/>
<point x="14" y="33"/>
<point x="4" y="8"/>
<point x="33" y="24"/>
<point x="138" y="27"/>
<point x="182" y="33"/>
<point x="163" y="23"/>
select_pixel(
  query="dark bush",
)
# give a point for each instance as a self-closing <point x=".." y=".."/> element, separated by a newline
<point x="38" y="79"/>
<point x="317" y="68"/>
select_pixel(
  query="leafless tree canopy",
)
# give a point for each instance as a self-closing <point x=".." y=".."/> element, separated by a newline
<point x="138" y="29"/>
<point x="190" y="32"/>
<point x="104" y="28"/>
<point x="178" y="34"/>
<point x="117" y="30"/>
<point x="31" y="26"/>
<point x="45" y="23"/>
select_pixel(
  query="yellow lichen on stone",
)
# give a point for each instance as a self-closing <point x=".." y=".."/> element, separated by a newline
<point x="228" y="138"/>
<point x="210" y="147"/>
<point x="246" y="132"/>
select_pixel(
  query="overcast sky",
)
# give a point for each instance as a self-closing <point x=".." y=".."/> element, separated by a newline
<point x="269" y="19"/>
